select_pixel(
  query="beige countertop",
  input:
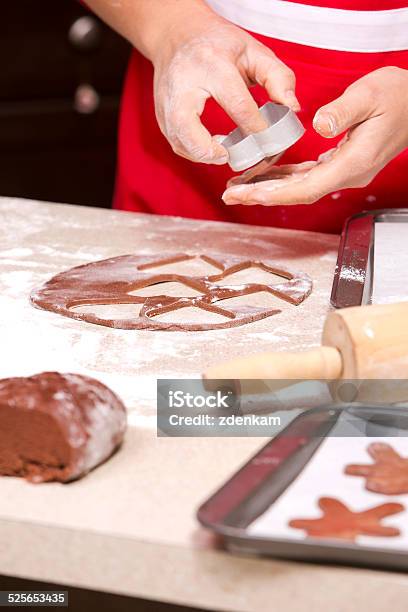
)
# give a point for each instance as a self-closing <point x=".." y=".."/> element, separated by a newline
<point x="129" y="527"/>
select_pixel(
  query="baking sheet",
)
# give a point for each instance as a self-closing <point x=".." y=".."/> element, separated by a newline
<point x="324" y="477"/>
<point x="390" y="263"/>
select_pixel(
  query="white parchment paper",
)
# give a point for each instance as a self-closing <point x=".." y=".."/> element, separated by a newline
<point x="324" y="476"/>
<point x="390" y="263"/>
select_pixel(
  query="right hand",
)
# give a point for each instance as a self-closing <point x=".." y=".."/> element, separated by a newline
<point x="372" y="112"/>
<point x="208" y="57"/>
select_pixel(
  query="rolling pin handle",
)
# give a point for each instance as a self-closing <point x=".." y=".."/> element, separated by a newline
<point x="324" y="363"/>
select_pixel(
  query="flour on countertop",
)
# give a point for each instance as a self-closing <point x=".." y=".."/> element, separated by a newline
<point x="38" y="240"/>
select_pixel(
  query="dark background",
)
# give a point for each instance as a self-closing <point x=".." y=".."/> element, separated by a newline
<point x="50" y="149"/>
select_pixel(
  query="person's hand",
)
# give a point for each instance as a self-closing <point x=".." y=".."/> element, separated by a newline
<point x="207" y="57"/>
<point x="374" y="110"/>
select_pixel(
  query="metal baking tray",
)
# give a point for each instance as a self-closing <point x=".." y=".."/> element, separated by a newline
<point x="354" y="274"/>
<point x="265" y="477"/>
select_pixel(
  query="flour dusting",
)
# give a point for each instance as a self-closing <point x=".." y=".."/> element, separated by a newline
<point x="39" y="240"/>
<point x="352" y="274"/>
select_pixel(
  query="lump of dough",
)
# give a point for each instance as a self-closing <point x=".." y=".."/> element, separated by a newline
<point x="57" y="426"/>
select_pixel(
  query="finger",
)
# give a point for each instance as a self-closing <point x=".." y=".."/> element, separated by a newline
<point x="355" y="105"/>
<point x="180" y="122"/>
<point x="274" y="76"/>
<point x="358" y="470"/>
<point x="383" y="452"/>
<point x="261" y="172"/>
<point x="349" y="166"/>
<point x="233" y="95"/>
<point x="281" y="177"/>
<point x="268" y="193"/>
<point x="260" y="169"/>
<point x="250" y="176"/>
<point x="265" y="171"/>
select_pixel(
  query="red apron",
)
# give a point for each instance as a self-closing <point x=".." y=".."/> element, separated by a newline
<point x="151" y="178"/>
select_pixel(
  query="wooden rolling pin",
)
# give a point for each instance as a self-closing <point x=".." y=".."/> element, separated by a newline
<point x="363" y="342"/>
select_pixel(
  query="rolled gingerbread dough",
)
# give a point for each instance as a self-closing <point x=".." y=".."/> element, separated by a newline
<point x="112" y="281"/>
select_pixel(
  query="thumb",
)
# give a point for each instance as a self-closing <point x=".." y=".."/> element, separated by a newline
<point x="351" y="108"/>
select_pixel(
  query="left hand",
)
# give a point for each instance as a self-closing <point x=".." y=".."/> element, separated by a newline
<point x="373" y="110"/>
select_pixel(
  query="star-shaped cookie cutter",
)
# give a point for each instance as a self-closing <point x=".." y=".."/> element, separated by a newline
<point x="284" y="130"/>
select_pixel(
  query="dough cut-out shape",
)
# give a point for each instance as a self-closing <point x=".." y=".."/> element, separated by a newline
<point x="112" y="281"/>
<point x="387" y="475"/>
<point x="339" y="522"/>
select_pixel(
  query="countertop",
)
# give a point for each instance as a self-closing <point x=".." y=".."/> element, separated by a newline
<point x="129" y="527"/>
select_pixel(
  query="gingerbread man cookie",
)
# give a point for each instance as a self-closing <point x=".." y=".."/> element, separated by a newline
<point x="388" y="474"/>
<point x="339" y="522"/>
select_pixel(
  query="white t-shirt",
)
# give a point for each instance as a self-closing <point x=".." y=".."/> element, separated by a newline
<point x="364" y="31"/>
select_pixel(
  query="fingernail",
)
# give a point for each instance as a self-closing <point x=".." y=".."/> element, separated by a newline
<point x="233" y="193"/>
<point x="219" y="161"/>
<point x="292" y="100"/>
<point x="231" y="202"/>
<point x="325" y="124"/>
<point x="228" y="198"/>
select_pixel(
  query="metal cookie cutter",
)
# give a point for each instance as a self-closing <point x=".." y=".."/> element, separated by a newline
<point x="284" y="130"/>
